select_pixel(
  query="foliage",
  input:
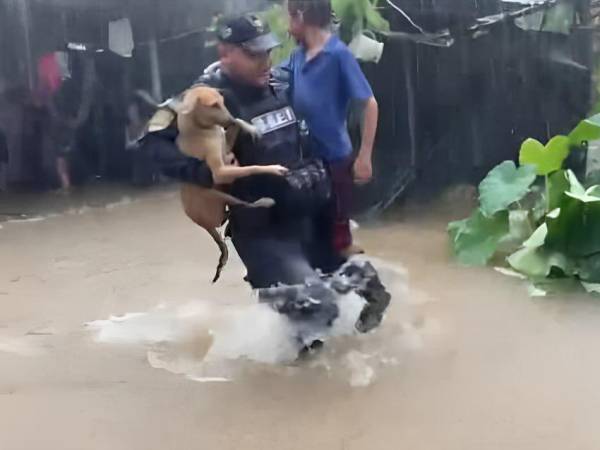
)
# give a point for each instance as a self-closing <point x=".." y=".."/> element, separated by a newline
<point x="355" y="16"/>
<point x="504" y="185"/>
<point x="358" y="15"/>
<point x="560" y="239"/>
<point x="276" y="17"/>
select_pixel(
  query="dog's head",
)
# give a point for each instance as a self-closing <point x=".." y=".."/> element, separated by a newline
<point x="206" y="106"/>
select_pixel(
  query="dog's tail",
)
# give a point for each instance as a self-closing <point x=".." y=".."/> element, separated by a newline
<point x="150" y="100"/>
<point x="147" y="97"/>
<point x="224" y="253"/>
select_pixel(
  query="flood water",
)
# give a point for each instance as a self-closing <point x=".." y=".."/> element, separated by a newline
<point x="112" y="337"/>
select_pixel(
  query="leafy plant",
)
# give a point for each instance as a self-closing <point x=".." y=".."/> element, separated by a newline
<point x="276" y="17"/>
<point x="358" y="15"/>
<point x="553" y="232"/>
<point x="354" y="15"/>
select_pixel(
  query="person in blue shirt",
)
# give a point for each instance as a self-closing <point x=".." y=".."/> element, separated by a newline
<point x="325" y="79"/>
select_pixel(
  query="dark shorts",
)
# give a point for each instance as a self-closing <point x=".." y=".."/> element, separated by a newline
<point x="342" y="179"/>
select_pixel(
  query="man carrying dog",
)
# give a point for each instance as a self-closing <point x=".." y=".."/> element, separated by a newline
<point x="286" y="243"/>
<point x="282" y="247"/>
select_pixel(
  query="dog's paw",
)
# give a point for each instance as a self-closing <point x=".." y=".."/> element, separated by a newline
<point x="250" y="129"/>
<point x="254" y="133"/>
<point x="263" y="203"/>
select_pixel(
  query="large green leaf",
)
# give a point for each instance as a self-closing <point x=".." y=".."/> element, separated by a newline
<point x="561" y="226"/>
<point x="538" y="263"/>
<point x="578" y="192"/>
<point x="538" y="238"/>
<point x="576" y="230"/>
<point x="520" y="228"/>
<point x="503" y="186"/>
<point x="546" y="159"/>
<point x="558" y="185"/>
<point x="475" y="240"/>
<point x="587" y="130"/>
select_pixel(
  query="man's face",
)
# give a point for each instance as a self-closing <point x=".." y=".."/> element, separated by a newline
<point x="296" y="26"/>
<point x="247" y="67"/>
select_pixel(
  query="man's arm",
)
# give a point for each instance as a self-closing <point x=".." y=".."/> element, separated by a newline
<point x="173" y="164"/>
<point x="357" y="88"/>
<point x="363" y="167"/>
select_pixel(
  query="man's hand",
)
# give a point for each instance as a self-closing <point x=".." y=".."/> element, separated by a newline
<point x="363" y="168"/>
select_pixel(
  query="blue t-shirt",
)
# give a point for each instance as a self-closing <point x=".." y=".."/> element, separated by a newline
<point x="322" y="90"/>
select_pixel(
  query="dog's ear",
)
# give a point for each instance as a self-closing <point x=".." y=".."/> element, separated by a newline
<point x="188" y="105"/>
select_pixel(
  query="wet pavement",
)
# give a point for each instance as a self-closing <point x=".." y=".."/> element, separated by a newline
<point x="112" y="337"/>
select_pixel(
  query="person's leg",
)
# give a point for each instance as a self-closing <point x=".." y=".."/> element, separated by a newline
<point x="62" y="169"/>
<point x="342" y="182"/>
<point x="271" y="261"/>
<point x="319" y="240"/>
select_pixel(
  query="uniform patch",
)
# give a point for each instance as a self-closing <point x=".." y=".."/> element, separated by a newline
<point x="274" y="120"/>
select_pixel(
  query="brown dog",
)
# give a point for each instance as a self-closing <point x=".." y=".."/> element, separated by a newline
<point x="207" y="131"/>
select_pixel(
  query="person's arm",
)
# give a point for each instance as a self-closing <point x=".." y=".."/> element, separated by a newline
<point x="172" y="163"/>
<point x="363" y="167"/>
<point x="357" y="88"/>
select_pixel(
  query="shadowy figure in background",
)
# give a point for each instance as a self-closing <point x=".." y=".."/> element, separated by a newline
<point x="69" y="108"/>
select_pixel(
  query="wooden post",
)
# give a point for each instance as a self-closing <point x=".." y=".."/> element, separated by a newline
<point x="155" y="70"/>
<point x="409" y="61"/>
<point x="153" y="53"/>
<point x="24" y="19"/>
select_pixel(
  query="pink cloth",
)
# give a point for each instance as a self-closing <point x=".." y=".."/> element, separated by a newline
<point x="49" y="75"/>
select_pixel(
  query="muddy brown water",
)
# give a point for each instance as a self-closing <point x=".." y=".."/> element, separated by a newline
<point x="465" y="360"/>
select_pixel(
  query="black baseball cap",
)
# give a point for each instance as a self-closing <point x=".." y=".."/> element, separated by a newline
<point x="249" y="32"/>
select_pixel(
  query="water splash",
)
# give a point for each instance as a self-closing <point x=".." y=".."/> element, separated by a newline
<point x="209" y="341"/>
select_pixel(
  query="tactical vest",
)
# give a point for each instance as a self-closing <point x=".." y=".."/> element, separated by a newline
<point x="268" y="110"/>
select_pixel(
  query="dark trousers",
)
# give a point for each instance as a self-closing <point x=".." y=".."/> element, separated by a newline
<point x="342" y="181"/>
<point x="290" y="257"/>
<point x="273" y="260"/>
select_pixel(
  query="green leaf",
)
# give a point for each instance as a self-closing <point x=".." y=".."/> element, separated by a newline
<point x="503" y="186"/>
<point x="276" y="17"/>
<point x="587" y="130"/>
<point x="536" y="291"/>
<point x="578" y="192"/>
<point x="558" y="185"/>
<point x="538" y="263"/>
<point x="475" y="240"/>
<point x="575" y="231"/>
<point x="546" y="159"/>
<point x="561" y="226"/>
<point x="355" y="15"/>
<point x="538" y="238"/>
<point x="520" y="229"/>
<point x="576" y="189"/>
<point x="375" y="20"/>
